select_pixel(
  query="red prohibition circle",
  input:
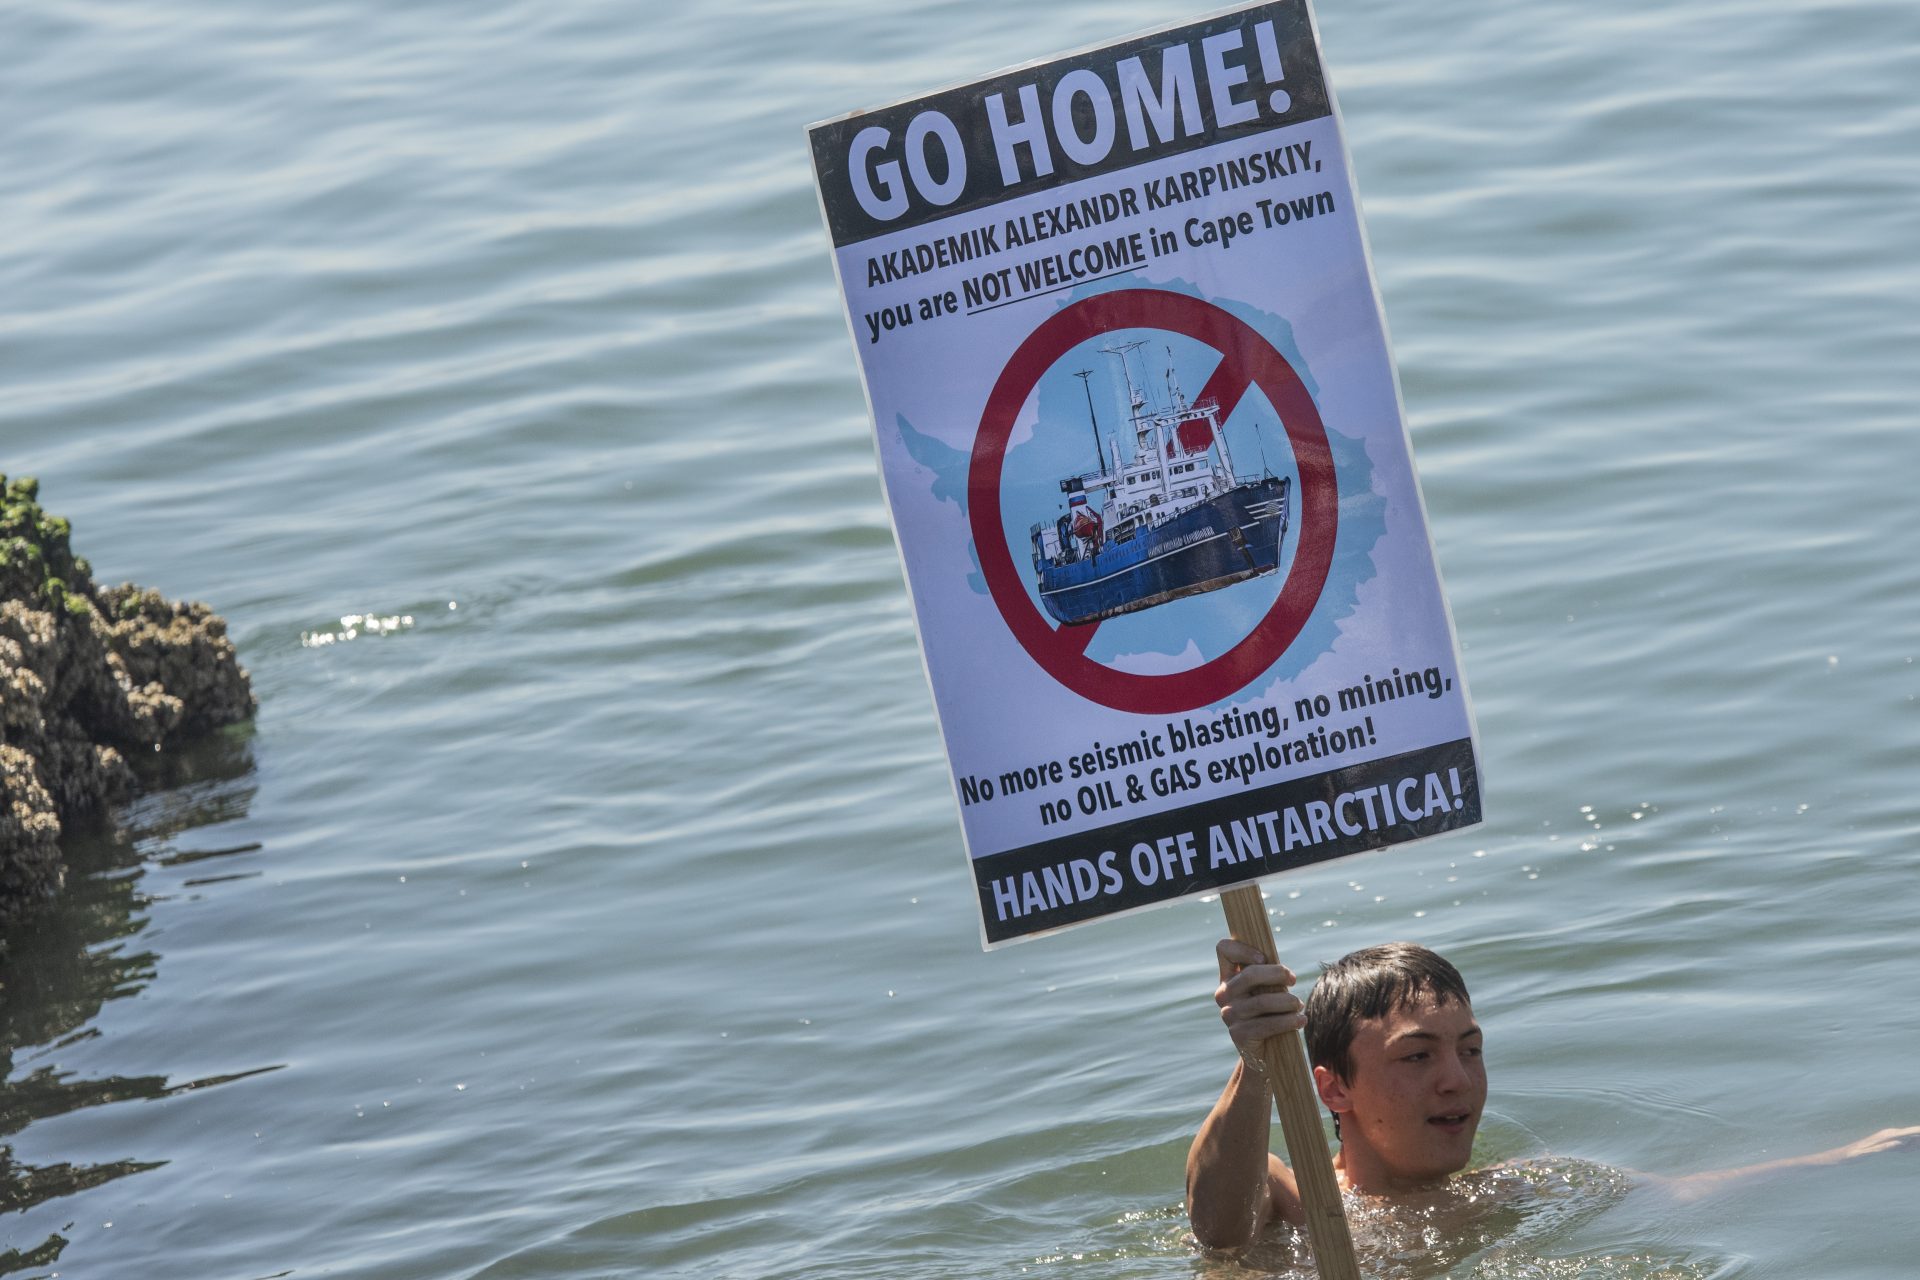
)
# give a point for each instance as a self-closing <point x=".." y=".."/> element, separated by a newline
<point x="1247" y="360"/>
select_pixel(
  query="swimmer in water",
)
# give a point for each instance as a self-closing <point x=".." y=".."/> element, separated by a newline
<point x="1396" y="1057"/>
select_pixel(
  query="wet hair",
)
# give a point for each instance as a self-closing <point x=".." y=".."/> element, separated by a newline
<point x="1371" y="983"/>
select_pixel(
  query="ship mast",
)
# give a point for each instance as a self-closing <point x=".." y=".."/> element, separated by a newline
<point x="1152" y="428"/>
<point x="1137" y="408"/>
<point x="1174" y="395"/>
<point x="1083" y="375"/>
<point x="1219" y="429"/>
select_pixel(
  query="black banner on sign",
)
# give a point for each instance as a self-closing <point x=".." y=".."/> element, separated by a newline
<point x="1229" y="840"/>
<point x="1042" y="126"/>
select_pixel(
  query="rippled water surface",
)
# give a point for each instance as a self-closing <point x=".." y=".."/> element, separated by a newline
<point x="587" y="899"/>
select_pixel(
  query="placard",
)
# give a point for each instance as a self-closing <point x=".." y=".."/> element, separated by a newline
<point x="1144" y="451"/>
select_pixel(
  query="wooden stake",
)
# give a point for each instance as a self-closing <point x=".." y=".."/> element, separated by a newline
<point x="1293" y="1095"/>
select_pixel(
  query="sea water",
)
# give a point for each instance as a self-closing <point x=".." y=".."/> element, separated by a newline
<point x="587" y="899"/>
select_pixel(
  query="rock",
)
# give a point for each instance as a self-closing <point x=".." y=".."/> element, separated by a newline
<point x="30" y="867"/>
<point x="88" y="675"/>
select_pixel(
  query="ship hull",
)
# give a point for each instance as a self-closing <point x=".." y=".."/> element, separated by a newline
<point x="1227" y="539"/>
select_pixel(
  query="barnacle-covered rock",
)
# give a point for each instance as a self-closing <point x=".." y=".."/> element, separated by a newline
<point x="87" y="676"/>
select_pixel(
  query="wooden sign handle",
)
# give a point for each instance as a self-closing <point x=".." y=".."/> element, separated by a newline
<point x="1285" y="1057"/>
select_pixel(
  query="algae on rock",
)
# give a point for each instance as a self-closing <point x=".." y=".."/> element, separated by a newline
<point x="87" y="675"/>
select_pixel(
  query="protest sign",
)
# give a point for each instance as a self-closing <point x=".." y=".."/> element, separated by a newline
<point x="1142" y="441"/>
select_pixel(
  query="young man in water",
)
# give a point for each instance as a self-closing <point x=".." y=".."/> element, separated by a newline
<point x="1396" y="1057"/>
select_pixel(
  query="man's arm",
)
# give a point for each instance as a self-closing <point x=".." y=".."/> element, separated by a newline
<point x="1694" y="1185"/>
<point x="1235" y="1186"/>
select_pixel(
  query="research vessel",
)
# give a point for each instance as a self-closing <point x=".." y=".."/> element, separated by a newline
<point x="1174" y="519"/>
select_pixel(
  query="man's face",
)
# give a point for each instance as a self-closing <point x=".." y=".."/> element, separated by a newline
<point x="1409" y="1110"/>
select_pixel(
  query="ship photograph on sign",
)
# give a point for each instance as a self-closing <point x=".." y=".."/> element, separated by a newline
<point x="1174" y="517"/>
